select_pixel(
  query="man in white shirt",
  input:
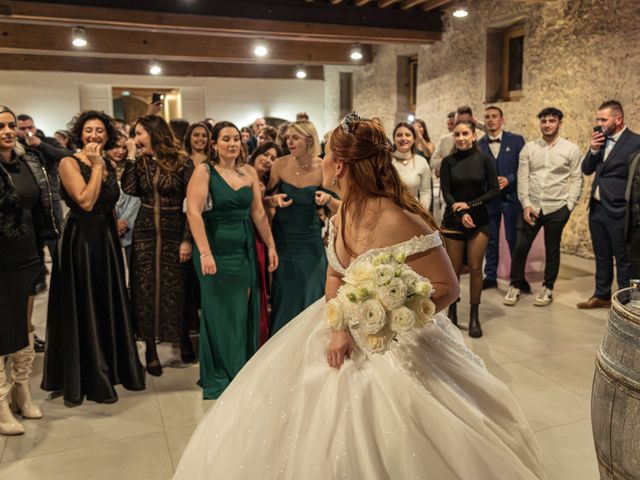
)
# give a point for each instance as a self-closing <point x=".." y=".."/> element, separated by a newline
<point x="549" y="186"/>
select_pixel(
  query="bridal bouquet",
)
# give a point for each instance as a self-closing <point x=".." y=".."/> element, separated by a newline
<point x="381" y="299"/>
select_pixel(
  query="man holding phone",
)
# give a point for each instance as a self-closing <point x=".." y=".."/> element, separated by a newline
<point x="612" y="145"/>
<point x="549" y="187"/>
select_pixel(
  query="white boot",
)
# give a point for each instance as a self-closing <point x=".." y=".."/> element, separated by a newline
<point x="21" y="378"/>
<point x="8" y="423"/>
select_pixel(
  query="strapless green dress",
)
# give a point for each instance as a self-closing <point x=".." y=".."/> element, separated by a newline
<point x="229" y="323"/>
<point x="300" y="278"/>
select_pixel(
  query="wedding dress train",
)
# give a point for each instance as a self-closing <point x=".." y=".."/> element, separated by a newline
<point x="426" y="409"/>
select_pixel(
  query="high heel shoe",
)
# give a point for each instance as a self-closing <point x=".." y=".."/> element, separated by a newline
<point x="187" y="355"/>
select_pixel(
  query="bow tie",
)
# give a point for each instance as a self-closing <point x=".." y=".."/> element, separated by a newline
<point x="494" y="140"/>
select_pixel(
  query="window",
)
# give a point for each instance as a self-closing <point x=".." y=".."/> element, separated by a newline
<point x="504" y="65"/>
<point x="346" y="93"/>
<point x="512" y="61"/>
<point x="413" y="83"/>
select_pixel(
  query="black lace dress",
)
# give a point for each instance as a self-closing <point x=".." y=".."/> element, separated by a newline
<point x="90" y="334"/>
<point x="158" y="280"/>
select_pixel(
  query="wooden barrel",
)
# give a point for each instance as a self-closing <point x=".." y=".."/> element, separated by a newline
<point x="615" y="398"/>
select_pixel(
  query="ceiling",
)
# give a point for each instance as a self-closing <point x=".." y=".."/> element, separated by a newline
<point x="209" y="37"/>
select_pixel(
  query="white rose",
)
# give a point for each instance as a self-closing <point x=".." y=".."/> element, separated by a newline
<point x="373" y="316"/>
<point x="410" y="279"/>
<point x="400" y="257"/>
<point x="335" y="315"/>
<point x="423" y="308"/>
<point x="377" y="343"/>
<point x="393" y="295"/>
<point x="348" y="293"/>
<point x="359" y="273"/>
<point x="424" y="287"/>
<point x="384" y="274"/>
<point x="402" y="320"/>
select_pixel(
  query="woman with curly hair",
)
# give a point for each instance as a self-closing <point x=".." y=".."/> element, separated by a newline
<point x="90" y="336"/>
<point x="161" y="239"/>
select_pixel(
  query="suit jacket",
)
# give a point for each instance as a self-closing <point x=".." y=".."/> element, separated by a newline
<point x="612" y="175"/>
<point x="506" y="165"/>
<point x="634" y="170"/>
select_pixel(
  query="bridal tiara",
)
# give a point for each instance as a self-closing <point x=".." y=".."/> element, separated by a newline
<point x="349" y="120"/>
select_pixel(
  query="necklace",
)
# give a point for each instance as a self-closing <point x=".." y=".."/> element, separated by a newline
<point x="304" y="167"/>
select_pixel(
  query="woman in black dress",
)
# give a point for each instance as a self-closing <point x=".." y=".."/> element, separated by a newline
<point x="468" y="180"/>
<point x="90" y="336"/>
<point x="161" y="238"/>
<point x="26" y="221"/>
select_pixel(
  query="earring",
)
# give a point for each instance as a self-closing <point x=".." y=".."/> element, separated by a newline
<point x="334" y="181"/>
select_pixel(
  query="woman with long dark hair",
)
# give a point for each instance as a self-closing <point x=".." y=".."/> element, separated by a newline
<point x="317" y="403"/>
<point x="468" y="180"/>
<point x="223" y="200"/>
<point x="262" y="160"/>
<point x="90" y="335"/>
<point x="161" y="240"/>
<point x="424" y="145"/>
<point x="413" y="168"/>
<point x="26" y="221"/>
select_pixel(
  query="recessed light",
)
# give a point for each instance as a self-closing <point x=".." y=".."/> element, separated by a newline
<point x="261" y="50"/>
<point x="301" y="73"/>
<point x="155" y="68"/>
<point x="460" y="12"/>
<point x="356" y="52"/>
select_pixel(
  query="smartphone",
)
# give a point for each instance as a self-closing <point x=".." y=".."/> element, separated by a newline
<point x="157" y="97"/>
<point x="598" y="129"/>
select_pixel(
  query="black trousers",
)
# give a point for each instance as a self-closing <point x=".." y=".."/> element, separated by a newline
<point x="633" y="250"/>
<point x="607" y="238"/>
<point x="553" y="224"/>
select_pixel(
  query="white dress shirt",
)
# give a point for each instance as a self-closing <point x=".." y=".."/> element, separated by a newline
<point x="495" y="146"/>
<point x="416" y="175"/>
<point x="549" y="175"/>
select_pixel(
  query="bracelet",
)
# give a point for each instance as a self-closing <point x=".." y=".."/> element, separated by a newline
<point x="205" y="254"/>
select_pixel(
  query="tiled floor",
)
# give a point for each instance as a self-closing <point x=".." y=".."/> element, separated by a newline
<point x="546" y="355"/>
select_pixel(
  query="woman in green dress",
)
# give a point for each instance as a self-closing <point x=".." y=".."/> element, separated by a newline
<point x="225" y="258"/>
<point x="297" y="179"/>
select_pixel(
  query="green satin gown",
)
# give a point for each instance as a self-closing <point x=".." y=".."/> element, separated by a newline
<point x="300" y="278"/>
<point x="230" y="315"/>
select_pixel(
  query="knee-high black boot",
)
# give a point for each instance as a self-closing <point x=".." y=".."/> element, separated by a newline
<point x="453" y="313"/>
<point x="475" y="330"/>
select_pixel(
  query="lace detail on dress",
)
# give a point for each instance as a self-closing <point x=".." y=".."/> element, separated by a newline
<point x="410" y="247"/>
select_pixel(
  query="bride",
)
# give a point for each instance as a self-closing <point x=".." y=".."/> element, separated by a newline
<point x="314" y="403"/>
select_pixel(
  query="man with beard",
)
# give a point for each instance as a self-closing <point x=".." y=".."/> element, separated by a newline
<point x="549" y="186"/>
<point x="612" y="143"/>
<point x="504" y="149"/>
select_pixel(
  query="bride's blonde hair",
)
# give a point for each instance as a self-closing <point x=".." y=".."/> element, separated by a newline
<point x="363" y="146"/>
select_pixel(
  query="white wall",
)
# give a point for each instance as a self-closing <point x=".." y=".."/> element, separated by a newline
<point x="53" y="98"/>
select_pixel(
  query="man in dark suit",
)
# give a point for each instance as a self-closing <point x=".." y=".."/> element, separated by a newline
<point x="504" y="148"/>
<point x="611" y="149"/>
<point x="632" y="214"/>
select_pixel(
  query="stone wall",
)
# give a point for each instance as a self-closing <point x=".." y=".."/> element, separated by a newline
<point x="577" y="53"/>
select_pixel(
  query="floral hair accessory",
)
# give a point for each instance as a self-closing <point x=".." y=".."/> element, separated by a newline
<point x="349" y="120"/>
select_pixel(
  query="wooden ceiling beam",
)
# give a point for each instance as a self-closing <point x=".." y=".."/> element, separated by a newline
<point x="361" y="3"/>
<point x="386" y="3"/>
<point x="149" y="21"/>
<point x="21" y="38"/>
<point x="407" y="4"/>
<point x="136" y="67"/>
<point x="430" y="5"/>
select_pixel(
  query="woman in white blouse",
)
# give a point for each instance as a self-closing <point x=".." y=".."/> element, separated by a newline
<point x="413" y="168"/>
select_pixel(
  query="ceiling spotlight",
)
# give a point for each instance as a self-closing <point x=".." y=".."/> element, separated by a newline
<point x="155" y="68"/>
<point x="261" y="50"/>
<point x="411" y="118"/>
<point x="301" y="72"/>
<point x="460" y="11"/>
<point x="356" y="52"/>
<point x="79" y="37"/>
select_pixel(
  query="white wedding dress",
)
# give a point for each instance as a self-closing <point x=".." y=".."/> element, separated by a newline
<point x="427" y="409"/>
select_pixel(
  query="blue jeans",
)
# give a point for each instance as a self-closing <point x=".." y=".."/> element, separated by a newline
<point x="511" y="213"/>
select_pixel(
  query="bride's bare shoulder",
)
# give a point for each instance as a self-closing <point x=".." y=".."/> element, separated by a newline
<point x="399" y="225"/>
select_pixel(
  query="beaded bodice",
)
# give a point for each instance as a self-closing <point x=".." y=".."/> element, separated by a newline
<point x="410" y="247"/>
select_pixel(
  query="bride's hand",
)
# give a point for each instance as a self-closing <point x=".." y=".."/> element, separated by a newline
<point x="339" y="347"/>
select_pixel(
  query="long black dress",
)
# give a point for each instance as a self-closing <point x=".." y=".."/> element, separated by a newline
<point x="19" y="259"/>
<point x="90" y="335"/>
<point x="158" y="279"/>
